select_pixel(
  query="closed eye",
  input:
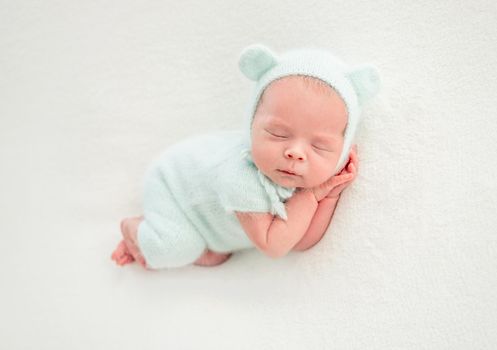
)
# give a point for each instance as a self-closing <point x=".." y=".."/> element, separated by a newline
<point x="321" y="149"/>
<point x="280" y="136"/>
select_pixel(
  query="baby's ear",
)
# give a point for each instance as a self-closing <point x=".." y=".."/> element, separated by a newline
<point x="366" y="81"/>
<point x="255" y="60"/>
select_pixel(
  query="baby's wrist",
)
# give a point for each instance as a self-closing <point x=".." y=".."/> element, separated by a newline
<point x="310" y="191"/>
<point x="333" y="197"/>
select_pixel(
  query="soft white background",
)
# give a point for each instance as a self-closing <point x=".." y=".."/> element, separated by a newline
<point x="92" y="91"/>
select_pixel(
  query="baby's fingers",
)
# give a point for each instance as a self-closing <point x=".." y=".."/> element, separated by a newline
<point x="354" y="160"/>
<point x="352" y="168"/>
<point x="338" y="180"/>
<point x="349" y="177"/>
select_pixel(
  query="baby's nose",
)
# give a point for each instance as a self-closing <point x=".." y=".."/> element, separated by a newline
<point x="294" y="154"/>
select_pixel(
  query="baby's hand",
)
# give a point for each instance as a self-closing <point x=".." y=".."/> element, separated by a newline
<point x="337" y="183"/>
<point x="349" y="173"/>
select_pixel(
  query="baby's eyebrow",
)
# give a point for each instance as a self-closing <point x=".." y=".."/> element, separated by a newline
<point x="278" y="123"/>
<point x="325" y="137"/>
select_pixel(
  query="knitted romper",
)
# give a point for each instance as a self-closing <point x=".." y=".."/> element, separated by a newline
<point x="191" y="192"/>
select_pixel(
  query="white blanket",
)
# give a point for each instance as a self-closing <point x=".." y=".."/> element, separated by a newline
<point x="91" y="92"/>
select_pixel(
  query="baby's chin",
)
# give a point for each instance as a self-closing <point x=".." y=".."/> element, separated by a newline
<point x="291" y="181"/>
<point x="288" y="181"/>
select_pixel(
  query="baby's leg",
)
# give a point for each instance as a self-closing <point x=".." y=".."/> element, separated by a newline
<point x="210" y="258"/>
<point x="128" y="250"/>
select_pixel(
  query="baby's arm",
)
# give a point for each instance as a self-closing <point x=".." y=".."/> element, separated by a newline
<point x="274" y="236"/>
<point x="327" y="205"/>
<point x="319" y="224"/>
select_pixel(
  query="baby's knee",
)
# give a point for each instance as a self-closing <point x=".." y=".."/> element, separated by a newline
<point x="169" y="248"/>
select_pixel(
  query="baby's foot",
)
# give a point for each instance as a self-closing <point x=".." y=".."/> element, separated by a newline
<point x="210" y="258"/>
<point x="129" y="229"/>
<point x="121" y="255"/>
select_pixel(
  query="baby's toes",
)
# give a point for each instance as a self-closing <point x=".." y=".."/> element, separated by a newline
<point x="141" y="261"/>
<point x="120" y="249"/>
<point x="116" y="255"/>
<point x="125" y="259"/>
<point x="122" y="255"/>
<point x="128" y="260"/>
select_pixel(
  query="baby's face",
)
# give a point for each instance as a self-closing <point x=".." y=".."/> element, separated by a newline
<point x="298" y="129"/>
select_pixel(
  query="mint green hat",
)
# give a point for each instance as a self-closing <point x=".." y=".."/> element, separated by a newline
<point x="356" y="85"/>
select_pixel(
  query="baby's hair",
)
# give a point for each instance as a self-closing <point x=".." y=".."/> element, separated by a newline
<point x="310" y="82"/>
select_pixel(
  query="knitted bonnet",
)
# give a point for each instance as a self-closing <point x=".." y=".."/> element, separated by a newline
<point x="356" y="85"/>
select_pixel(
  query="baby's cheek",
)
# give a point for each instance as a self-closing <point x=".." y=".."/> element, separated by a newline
<point x="271" y="150"/>
<point x="322" y="171"/>
<point x="264" y="156"/>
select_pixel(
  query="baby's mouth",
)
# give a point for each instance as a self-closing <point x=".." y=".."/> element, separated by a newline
<point x="288" y="172"/>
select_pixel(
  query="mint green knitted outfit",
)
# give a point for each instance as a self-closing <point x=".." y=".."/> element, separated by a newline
<point x="191" y="194"/>
<point x="193" y="189"/>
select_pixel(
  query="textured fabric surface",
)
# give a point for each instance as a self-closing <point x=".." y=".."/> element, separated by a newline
<point x="92" y="92"/>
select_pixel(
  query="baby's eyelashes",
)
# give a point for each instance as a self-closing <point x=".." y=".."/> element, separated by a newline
<point x="322" y="149"/>
<point x="276" y="135"/>
<point x="319" y="148"/>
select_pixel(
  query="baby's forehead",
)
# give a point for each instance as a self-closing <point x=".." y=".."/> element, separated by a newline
<point x="295" y="88"/>
<point x="322" y="123"/>
<point x="322" y="107"/>
<point x="290" y="89"/>
<point x="312" y="83"/>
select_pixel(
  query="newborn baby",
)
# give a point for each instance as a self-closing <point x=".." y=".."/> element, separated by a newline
<point x="274" y="185"/>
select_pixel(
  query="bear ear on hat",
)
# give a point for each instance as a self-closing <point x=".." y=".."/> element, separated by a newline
<point x="366" y="81"/>
<point x="255" y="60"/>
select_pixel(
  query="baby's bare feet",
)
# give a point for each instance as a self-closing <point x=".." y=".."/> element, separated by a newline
<point x="129" y="229"/>
<point x="121" y="255"/>
<point x="210" y="258"/>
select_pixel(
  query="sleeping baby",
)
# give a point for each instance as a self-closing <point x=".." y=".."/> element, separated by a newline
<point x="272" y="186"/>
